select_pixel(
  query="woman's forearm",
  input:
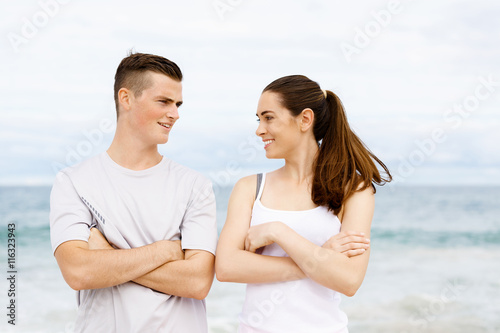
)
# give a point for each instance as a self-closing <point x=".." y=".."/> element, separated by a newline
<point x="247" y="267"/>
<point x="325" y="266"/>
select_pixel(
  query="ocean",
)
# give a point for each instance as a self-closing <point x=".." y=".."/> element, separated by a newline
<point x="434" y="266"/>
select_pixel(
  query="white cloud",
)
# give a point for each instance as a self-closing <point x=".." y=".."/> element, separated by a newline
<point x="395" y="91"/>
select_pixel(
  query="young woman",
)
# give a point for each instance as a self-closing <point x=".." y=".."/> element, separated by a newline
<point x="299" y="236"/>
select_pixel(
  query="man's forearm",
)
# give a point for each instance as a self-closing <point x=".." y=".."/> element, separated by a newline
<point x="83" y="268"/>
<point x="191" y="277"/>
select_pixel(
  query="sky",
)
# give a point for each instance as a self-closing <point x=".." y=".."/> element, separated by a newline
<point x="420" y="80"/>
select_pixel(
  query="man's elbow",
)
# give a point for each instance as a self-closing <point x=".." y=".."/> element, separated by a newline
<point x="76" y="285"/>
<point x="200" y="289"/>
<point x="77" y="281"/>
<point x="200" y="294"/>
<point x="71" y="257"/>
<point x="80" y="277"/>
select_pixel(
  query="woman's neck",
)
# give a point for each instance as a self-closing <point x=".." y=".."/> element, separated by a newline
<point x="299" y="166"/>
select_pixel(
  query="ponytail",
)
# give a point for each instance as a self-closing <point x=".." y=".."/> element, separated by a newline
<point x="344" y="164"/>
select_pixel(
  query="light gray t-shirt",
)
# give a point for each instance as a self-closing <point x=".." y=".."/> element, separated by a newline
<point x="133" y="209"/>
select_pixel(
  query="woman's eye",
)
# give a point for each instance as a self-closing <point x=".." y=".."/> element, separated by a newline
<point x="266" y="118"/>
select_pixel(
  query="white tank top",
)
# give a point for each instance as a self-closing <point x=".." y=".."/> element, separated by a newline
<point x="295" y="306"/>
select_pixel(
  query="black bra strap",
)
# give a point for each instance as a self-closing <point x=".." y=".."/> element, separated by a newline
<point x="259" y="180"/>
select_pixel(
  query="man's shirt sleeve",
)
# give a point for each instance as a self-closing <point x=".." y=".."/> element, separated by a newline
<point x="199" y="225"/>
<point x="70" y="219"/>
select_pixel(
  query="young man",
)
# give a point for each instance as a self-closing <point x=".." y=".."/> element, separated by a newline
<point x="149" y="262"/>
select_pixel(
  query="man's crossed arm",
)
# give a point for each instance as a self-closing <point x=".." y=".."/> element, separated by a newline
<point x="161" y="266"/>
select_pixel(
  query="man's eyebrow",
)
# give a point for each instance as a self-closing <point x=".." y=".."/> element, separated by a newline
<point x="164" y="97"/>
<point x="263" y="113"/>
<point x="168" y="99"/>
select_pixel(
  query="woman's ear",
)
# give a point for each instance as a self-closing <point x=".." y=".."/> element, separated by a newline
<point x="306" y="119"/>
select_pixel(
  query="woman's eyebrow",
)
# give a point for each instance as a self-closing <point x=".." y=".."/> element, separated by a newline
<point x="263" y="113"/>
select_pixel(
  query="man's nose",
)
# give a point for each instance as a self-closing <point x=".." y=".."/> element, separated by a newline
<point x="173" y="113"/>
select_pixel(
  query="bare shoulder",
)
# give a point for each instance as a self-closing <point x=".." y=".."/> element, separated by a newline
<point x="247" y="182"/>
<point x="245" y="189"/>
<point x="239" y="209"/>
<point x="362" y="199"/>
<point x="364" y="190"/>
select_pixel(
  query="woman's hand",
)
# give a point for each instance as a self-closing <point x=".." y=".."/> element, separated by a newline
<point x="261" y="235"/>
<point x="349" y="243"/>
<point x="97" y="241"/>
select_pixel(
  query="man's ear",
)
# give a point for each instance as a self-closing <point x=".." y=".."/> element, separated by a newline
<point x="125" y="98"/>
<point x="306" y="118"/>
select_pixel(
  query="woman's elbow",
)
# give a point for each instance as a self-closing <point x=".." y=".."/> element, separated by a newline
<point x="350" y="292"/>
<point x="351" y="287"/>
<point x="221" y="274"/>
<point x="223" y="271"/>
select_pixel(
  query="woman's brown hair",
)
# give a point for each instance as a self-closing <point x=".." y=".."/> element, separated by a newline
<point x="344" y="164"/>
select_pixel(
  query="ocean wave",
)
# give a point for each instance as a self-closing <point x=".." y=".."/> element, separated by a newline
<point x="429" y="238"/>
<point x="420" y="313"/>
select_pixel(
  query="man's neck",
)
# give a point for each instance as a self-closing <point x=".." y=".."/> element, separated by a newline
<point x="134" y="157"/>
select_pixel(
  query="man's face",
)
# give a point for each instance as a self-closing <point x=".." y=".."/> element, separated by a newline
<point x="154" y="112"/>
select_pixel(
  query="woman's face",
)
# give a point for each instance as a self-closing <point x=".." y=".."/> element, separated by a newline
<point x="278" y="128"/>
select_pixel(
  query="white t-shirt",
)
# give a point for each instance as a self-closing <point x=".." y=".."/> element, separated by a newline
<point x="133" y="209"/>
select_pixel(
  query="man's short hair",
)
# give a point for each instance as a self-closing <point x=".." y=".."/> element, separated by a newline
<point x="132" y="72"/>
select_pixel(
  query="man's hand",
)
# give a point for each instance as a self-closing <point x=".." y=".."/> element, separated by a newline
<point x="97" y="241"/>
<point x="95" y="264"/>
<point x="349" y="243"/>
<point x="172" y="249"/>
